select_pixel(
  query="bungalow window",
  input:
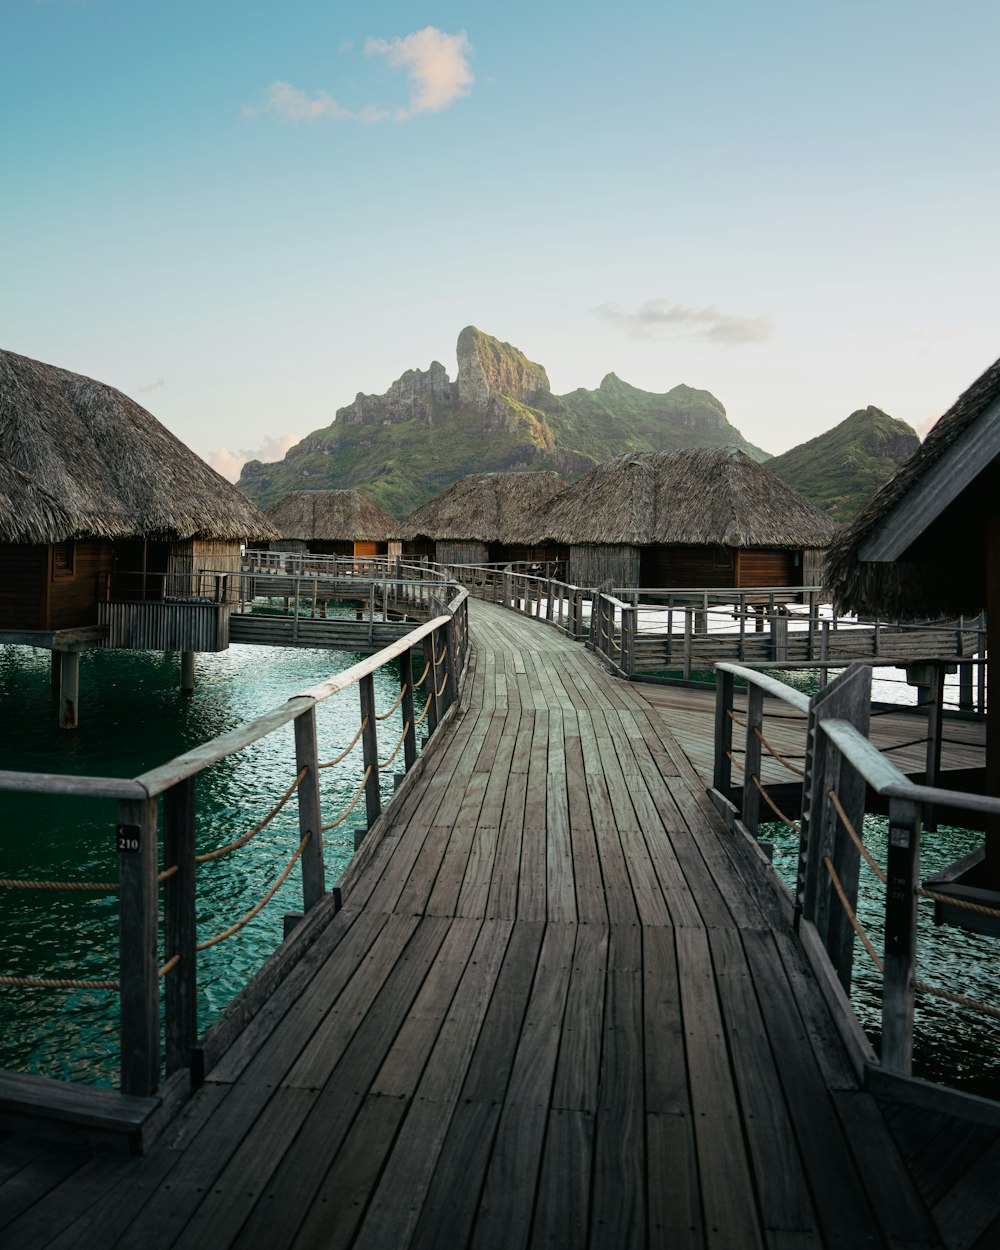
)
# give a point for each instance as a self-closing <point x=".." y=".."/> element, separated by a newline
<point x="63" y="556"/>
<point x="723" y="558"/>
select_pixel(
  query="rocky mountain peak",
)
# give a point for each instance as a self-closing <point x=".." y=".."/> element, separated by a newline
<point x="489" y="370"/>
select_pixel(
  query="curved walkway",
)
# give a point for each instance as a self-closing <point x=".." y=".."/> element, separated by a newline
<point x="560" y="1006"/>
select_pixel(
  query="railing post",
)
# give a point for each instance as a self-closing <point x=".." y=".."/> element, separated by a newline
<point x="900" y="935"/>
<point x="750" y="814"/>
<point x="310" y="815"/>
<point x="935" y="721"/>
<point x="688" y="635"/>
<point x="629" y="632"/>
<point x="138" y="972"/>
<point x="406" y="709"/>
<point x="847" y="698"/>
<point x="369" y="744"/>
<point x="179" y="928"/>
<point x="722" y="779"/>
<point x="429" y="682"/>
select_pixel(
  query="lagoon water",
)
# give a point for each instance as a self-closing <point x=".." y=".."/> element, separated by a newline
<point x="133" y="717"/>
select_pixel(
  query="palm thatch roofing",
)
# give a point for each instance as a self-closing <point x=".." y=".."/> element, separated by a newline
<point x="79" y="459"/>
<point x="330" y="516"/>
<point x="918" y="547"/>
<point x="716" y="496"/>
<point x="483" y="507"/>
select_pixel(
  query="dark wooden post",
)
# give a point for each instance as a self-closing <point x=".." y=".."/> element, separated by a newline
<point x="847" y="698"/>
<point x="630" y="621"/>
<point x="310" y="815"/>
<point x="429" y="682"/>
<point x="369" y="743"/>
<point x="138" y="971"/>
<point x="935" y="721"/>
<point x="751" y="760"/>
<point x="69" y="688"/>
<point x="179" y="928"/>
<point x="900" y="935"/>
<point x="722" y="780"/>
<point x="187" y="672"/>
<point x="779" y="636"/>
<point x="406" y="709"/>
<point x="688" y="636"/>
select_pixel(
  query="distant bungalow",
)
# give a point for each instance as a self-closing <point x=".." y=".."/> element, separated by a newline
<point x="928" y="544"/>
<point x="330" y="523"/>
<point x="107" y="521"/>
<point x="482" y="519"/>
<point x="705" y="518"/>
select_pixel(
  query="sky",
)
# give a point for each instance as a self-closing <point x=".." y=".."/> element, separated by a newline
<point x="243" y="212"/>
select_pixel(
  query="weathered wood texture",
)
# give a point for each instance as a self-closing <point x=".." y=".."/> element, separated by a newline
<point x="560" y="1006"/>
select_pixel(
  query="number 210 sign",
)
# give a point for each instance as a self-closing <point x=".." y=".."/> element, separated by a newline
<point x="127" y="842"/>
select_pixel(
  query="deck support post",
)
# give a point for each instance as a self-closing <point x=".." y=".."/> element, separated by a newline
<point x="187" y="672"/>
<point x="935" y="720"/>
<point x="138" y="973"/>
<point x="369" y="743"/>
<point x="55" y="670"/>
<point x="69" y="688"/>
<point x="310" y="816"/>
<point x="179" y="929"/>
<point x="902" y="870"/>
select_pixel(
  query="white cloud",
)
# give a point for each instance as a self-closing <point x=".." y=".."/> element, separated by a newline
<point x="289" y="104"/>
<point x="654" y="319"/>
<point x="230" y="463"/>
<point x="436" y="64"/>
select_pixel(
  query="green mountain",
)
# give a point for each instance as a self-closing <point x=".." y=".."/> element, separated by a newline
<point x="841" y="469"/>
<point x="426" y="431"/>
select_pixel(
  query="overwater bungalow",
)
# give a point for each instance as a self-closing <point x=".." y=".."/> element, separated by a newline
<point x="928" y="544"/>
<point x="330" y="523"/>
<point x="705" y="518"/>
<point x="482" y="519"/>
<point x="113" y="532"/>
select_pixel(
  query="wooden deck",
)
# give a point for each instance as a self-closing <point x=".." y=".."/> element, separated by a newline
<point x="561" y="1006"/>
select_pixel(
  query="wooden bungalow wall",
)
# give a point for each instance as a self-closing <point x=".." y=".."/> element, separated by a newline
<point x="39" y="591"/>
<point x="814" y="567"/>
<point x="450" y="552"/>
<point x="595" y="564"/>
<point x="188" y="558"/>
<point x="688" y="566"/>
<point x="757" y="567"/>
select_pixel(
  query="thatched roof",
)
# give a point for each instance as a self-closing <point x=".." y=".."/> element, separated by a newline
<point x="80" y="459"/>
<point x="927" y="525"/>
<point x="330" y="516"/>
<point x="716" y="496"/>
<point x="484" y="507"/>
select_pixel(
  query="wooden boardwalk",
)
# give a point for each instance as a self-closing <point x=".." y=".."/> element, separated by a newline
<point x="561" y="1006"/>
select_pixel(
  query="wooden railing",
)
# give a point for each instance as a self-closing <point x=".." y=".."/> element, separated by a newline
<point x="838" y="778"/>
<point x="442" y="645"/>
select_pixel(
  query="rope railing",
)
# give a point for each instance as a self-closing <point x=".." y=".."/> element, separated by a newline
<point x="792" y="768"/>
<point x="399" y="744"/>
<point x="856" y="838"/>
<point x="965" y="904"/>
<point x="851" y="914"/>
<point x="438" y="661"/>
<point x="423" y="715"/>
<point x="94" y="887"/>
<point x="261" y="824"/>
<point x="959" y="999"/>
<point x="235" y="928"/>
<point x="59" y="983"/>
<point x="386" y="715"/>
<point x="735" y="762"/>
<point x="785" y="820"/>
<point x="439" y="693"/>
<point x="353" y="803"/>
<point x="423" y="676"/>
<point x="337" y="759"/>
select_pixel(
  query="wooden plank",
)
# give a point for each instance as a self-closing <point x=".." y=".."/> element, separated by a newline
<point x="449" y="1208"/>
<point x="726" y="1184"/>
<point x="577" y="1079"/>
<point x="672" y="1187"/>
<point x="562" y="1216"/>
<point x="507" y="1203"/>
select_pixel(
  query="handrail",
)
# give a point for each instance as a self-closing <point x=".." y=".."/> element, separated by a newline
<point x="138" y="838"/>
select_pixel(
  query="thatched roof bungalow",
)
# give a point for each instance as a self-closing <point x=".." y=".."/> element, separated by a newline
<point x="99" y="501"/>
<point x="481" y="519"/>
<point x="331" y="522"/>
<point x="929" y="544"/>
<point x="686" y="518"/>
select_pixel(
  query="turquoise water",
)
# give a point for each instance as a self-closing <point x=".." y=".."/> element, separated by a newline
<point x="132" y="718"/>
<point x="951" y="1044"/>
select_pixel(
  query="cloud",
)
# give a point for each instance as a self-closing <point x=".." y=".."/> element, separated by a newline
<point x="654" y="319"/>
<point x="436" y="64"/>
<point x="158" y="385"/>
<point x="230" y="463"/>
<point x="289" y="104"/>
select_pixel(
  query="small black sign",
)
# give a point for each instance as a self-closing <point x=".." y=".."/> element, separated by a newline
<point x="128" y="839"/>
